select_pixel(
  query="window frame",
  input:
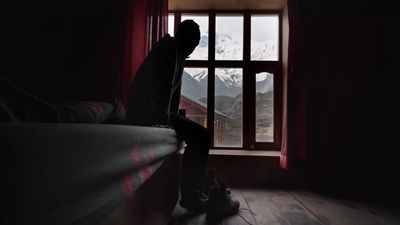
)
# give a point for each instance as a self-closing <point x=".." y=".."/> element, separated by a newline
<point x="250" y="68"/>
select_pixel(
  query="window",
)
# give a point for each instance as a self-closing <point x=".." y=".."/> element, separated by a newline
<point x="264" y="37"/>
<point x="229" y="37"/>
<point x="194" y="94"/>
<point x="228" y="110"/>
<point x="264" y="107"/>
<point x="232" y="82"/>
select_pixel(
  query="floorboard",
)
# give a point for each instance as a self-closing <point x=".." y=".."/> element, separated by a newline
<point x="389" y="215"/>
<point x="181" y="216"/>
<point x="279" y="207"/>
<point x="336" y="211"/>
<point x="244" y="217"/>
<point x="267" y="213"/>
<point x="292" y="209"/>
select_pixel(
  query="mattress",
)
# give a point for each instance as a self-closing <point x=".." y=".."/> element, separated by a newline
<point x="76" y="173"/>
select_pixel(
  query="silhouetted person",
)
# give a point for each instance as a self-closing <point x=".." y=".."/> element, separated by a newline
<point x="154" y="100"/>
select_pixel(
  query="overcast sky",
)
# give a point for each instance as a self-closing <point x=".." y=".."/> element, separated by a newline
<point x="263" y="27"/>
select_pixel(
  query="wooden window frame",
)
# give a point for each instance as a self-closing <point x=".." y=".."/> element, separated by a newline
<point x="250" y="68"/>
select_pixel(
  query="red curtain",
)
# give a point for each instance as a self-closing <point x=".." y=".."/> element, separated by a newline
<point x="295" y="135"/>
<point x="147" y="23"/>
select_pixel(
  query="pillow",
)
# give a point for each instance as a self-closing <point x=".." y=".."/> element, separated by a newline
<point x="18" y="105"/>
<point x="90" y="112"/>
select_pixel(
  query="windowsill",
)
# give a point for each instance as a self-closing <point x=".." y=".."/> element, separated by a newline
<point x="244" y="152"/>
<point x="233" y="152"/>
<point x="261" y="167"/>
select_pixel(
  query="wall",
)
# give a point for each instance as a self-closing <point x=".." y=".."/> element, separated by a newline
<point x="68" y="50"/>
<point x="349" y="56"/>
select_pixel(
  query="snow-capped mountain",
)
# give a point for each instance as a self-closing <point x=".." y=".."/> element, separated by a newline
<point x="201" y="76"/>
<point x="194" y="86"/>
<point x="267" y="50"/>
<point x="228" y="81"/>
<point x="227" y="48"/>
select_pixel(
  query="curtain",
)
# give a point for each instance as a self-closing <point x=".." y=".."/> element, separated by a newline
<point x="147" y="23"/>
<point x="295" y="132"/>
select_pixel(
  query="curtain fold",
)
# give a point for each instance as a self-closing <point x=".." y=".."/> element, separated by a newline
<point x="157" y="21"/>
<point x="295" y="134"/>
<point x="147" y="22"/>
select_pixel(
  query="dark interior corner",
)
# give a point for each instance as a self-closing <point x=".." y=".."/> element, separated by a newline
<point x="64" y="51"/>
<point x="348" y="55"/>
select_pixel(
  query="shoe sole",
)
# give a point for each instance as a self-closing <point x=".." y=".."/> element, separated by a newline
<point x="219" y="216"/>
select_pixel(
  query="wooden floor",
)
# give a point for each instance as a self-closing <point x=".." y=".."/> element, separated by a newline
<point x="277" y="207"/>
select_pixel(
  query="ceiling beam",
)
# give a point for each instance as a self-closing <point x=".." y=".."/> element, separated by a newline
<point x="226" y="4"/>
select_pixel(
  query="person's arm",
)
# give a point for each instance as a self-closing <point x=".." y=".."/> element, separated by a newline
<point x="176" y="96"/>
<point x="176" y="87"/>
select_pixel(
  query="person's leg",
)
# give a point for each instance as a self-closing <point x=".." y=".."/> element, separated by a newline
<point x="194" y="168"/>
<point x="194" y="164"/>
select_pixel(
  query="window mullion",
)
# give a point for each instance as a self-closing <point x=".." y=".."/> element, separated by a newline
<point x="248" y="98"/>
<point x="246" y="37"/>
<point x="211" y="72"/>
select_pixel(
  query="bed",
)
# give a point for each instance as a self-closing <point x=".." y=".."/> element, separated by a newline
<point x="85" y="174"/>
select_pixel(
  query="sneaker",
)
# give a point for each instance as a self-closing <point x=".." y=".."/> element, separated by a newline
<point x="210" y="182"/>
<point x="221" y="204"/>
<point x="198" y="203"/>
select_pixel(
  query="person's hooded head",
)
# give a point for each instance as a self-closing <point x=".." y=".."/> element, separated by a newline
<point x="188" y="37"/>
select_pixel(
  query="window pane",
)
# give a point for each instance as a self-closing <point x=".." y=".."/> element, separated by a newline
<point x="201" y="52"/>
<point x="171" y="23"/>
<point x="229" y="38"/>
<point x="228" y="112"/>
<point x="265" y="37"/>
<point x="264" y="107"/>
<point x="194" y="94"/>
